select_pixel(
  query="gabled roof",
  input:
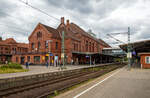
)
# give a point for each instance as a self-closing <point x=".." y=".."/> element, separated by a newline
<point x="76" y="29"/>
<point x="50" y="29"/>
<point x="55" y="32"/>
<point x="10" y="41"/>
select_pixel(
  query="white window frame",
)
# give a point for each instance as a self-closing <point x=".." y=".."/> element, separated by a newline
<point x="146" y="60"/>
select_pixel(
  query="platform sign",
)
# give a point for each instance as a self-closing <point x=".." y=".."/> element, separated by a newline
<point x="134" y="53"/>
<point x="51" y="54"/>
<point x="129" y="55"/>
<point x="87" y="56"/>
<point x="43" y="57"/>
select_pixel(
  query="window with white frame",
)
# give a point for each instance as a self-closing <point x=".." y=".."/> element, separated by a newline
<point x="147" y="59"/>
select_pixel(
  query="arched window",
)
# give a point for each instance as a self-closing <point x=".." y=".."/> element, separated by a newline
<point x="46" y="44"/>
<point x="32" y="45"/>
<point x="56" y="45"/>
<point x="39" y="35"/>
<point x="39" y="45"/>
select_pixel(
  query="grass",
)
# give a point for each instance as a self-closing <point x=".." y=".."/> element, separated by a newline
<point x="11" y="68"/>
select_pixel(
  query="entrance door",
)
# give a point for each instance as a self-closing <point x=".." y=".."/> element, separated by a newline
<point x="22" y="60"/>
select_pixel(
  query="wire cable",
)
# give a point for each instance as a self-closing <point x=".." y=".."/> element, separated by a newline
<point x="26" y="3"/>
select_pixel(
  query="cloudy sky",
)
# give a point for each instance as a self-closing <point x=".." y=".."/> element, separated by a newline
<point x="18" y="20"/>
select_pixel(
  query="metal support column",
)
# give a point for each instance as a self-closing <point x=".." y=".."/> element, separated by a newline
<point x="90" y="60"/>
<point x="129" y="49"/>
<point x="63" y="48"/>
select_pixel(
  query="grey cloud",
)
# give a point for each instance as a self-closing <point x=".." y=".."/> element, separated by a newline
<point x="85" y="13"/>
<point x="106" y="7"/>
<point x="81" y="6"/>
<point x="6" y="7"/>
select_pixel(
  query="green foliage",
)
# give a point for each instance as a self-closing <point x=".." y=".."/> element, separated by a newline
<point x="55" y="92"/>
<point x="1" y="62"/>
<point x="118" y="60"/>
<point x="125" y="59"/>
<point x="8" y="70"/>
<point x="11" y="66"/>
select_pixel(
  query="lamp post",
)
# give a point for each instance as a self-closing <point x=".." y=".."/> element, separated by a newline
<point x="49" y="50"/>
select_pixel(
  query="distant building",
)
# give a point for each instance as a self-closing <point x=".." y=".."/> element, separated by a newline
<point x="9" y="47"/>
<point x="45" y="41"/>
<point x="116" y="52"/>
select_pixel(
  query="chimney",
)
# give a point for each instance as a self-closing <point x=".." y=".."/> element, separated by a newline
<point x="62" y="20"/>
<point x="67" y="22"/>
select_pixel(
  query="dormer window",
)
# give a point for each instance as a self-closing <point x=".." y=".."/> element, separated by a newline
<point x="39" y="35"/>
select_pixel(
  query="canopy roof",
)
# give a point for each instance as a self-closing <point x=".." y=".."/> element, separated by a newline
<point x="138" y="47"/>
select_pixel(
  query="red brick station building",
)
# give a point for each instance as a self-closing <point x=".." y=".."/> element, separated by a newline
<point x="45" y="41"/>
<point x="10" y="47"/>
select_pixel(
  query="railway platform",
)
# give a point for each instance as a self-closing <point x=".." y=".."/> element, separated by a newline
<point x="39" y="69"/>
<point x="40" y="83"/>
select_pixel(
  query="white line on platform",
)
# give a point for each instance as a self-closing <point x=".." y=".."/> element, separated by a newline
<point x="95" y="85"/>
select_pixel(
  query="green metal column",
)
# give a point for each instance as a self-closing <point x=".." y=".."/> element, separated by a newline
<point x="63" y="48"/>
<point x="90" y="60"/>
<point x="129" y="49"/>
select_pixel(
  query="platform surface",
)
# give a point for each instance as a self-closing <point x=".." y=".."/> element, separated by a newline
<point x="120" y="83"/>
<point x="39" y="69"/>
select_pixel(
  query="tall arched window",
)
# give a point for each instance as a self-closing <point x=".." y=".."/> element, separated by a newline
<point x="56" y="45"/>
<point x="39" y="35"/>
<point x="32" y="45"/>
<point x="39" y="45"/>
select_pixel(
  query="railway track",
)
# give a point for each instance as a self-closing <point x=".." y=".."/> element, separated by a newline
<point x="44" y="88"/>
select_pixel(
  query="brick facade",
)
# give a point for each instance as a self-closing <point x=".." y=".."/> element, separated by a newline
<point x="9" y="47"/>
<point x="143" y="56"/>
<point x="78" y="44"/>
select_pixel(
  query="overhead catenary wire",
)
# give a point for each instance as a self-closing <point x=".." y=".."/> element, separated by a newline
<point x="116" y="39"/>
<point x="26" y="3"/>
<point x="17" y="18"/>
<point x="13" y="27"/>
<point x="41" y="10"/>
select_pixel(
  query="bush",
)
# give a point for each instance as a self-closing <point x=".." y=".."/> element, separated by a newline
<point x="12" y="66"/>
<point x="0" y="62"/>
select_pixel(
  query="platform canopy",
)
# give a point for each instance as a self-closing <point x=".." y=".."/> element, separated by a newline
<point x="138" y="47"/>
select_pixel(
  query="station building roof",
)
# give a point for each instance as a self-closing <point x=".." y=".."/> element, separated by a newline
<point x="138" y="47"/>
